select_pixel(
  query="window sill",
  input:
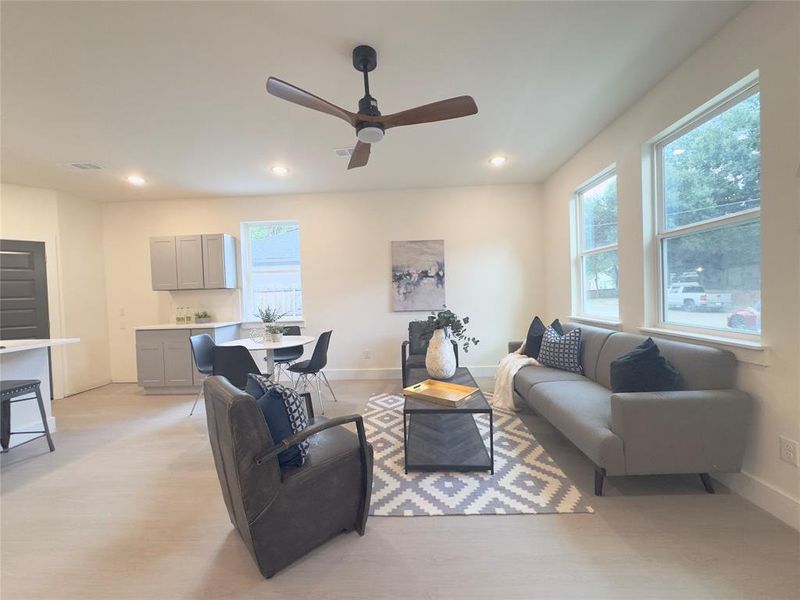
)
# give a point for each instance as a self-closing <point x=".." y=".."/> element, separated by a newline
<point x="285" y="322"/>
<point x="596" y="321"/>
<point x="748" y="351"/>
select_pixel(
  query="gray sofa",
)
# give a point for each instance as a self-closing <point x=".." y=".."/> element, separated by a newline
<point x="699" y="429"/>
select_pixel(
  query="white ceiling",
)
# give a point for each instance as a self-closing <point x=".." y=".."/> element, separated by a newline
<point x="175" y="91"/>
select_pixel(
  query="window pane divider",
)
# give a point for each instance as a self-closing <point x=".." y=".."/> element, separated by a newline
<point x="751" y="214"/>
<point x="600" y="249"/>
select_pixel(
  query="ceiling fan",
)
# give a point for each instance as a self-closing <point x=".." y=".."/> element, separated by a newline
<point x="369" y="124"/>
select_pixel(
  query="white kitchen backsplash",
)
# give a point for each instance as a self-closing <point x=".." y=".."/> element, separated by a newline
<point x="222" y="305"/>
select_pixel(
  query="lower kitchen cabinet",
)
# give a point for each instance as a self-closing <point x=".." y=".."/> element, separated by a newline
<point x="164" y="361"/>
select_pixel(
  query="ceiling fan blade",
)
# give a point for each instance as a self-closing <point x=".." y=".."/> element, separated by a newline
<point x="287" y="91"/>
<point x="453" y="108"/>
<point x="360" y="155"/>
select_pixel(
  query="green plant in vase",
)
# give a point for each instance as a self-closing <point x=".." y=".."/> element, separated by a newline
<point x="439" y="331"/>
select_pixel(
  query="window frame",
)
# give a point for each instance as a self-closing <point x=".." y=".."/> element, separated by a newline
<point x="248" y="311"/>
<point x="662" y="233"/>
<point x="580" y="254"/>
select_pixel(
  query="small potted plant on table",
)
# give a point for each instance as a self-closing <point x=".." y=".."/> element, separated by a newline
<point x="270" y="317"/>
<point x="440" y="329"/>
<point x="202" y="317"/>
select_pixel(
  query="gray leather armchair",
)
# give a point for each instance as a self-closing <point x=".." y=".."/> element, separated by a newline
<point x="413" y="350"/>
<point x="282" y="515"/>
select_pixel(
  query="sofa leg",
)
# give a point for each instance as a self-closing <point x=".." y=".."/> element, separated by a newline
<point x="599" y="478"/>
<point x="706" y="479"/>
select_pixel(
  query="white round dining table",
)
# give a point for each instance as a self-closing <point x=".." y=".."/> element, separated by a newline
<point x="288" y="341"/>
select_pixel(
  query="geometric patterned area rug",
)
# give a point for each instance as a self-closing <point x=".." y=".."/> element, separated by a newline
<point x="525" y="480"/>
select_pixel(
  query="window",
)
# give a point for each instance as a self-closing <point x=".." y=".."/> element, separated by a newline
<point x="271" y="268"/>
<point x="708" y="197"/>
<point x="597" y="259"/>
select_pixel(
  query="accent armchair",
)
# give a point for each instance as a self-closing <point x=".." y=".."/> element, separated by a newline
<point x="413" y="350"/>
<point x="283" y="514"/>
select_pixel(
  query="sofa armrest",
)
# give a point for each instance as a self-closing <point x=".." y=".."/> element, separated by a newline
<point x="681" y="432"/>
<point x="513" y="347"/>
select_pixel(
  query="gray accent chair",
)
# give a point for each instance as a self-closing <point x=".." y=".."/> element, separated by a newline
<point x="699" y="429"/>
<point x="282" y="515"/>
<point x="413" y="350"/>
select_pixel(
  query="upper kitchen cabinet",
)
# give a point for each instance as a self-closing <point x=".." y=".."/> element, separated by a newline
<point x="163" y="266"/>
<point x="219" y="261"/>
<point x="193" y="262"/>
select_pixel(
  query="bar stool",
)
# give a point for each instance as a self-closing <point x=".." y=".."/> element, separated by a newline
<point x="10" y="390"/>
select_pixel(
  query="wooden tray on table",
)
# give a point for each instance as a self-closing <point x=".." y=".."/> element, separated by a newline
<point x="440" y="392"/>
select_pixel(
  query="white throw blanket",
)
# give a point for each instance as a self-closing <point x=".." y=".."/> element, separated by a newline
<point x="503" y="396"/>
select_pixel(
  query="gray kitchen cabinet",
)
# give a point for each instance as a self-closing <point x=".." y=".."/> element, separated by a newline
<point x="163" y="268"/>
<point x="189" y="255"/>
<point x="149" y="359"/>
<point x="164" y="360"/>
<point x="219" y="261"/>
<point x="193" y="262"/>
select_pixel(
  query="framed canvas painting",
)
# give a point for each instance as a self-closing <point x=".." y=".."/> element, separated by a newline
<point x="418" y="275"/>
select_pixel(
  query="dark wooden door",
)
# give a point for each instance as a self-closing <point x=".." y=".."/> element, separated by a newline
<point x="23" y="291"/>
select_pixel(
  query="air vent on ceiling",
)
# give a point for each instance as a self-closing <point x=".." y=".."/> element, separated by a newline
<point x="83" y="166"/>
<point x="344" y="152"/>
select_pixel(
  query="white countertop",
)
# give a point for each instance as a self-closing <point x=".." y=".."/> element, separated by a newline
<point x="189" y="326"/>
<point x="8" y="346"/>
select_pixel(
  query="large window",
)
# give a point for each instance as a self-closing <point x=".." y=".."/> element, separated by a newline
<point x="708" y="219"/>
<point x="271" y="268"/>
<point x="597" y="259"/>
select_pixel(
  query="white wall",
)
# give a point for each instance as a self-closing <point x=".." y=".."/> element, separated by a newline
<point x="491" y="253"/>
<point x="71" y="229"/>
<point x="763" y="37"/>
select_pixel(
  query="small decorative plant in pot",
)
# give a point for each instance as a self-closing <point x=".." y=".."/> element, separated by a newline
<point x="270" y="317"/>
<point x="441" y="330"/>
<point x="202" y="317"/>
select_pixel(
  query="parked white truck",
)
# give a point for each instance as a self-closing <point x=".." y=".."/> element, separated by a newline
<point x="689" y="297"/>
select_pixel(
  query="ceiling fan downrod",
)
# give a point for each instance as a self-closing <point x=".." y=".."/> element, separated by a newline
<point x="365" y="59"/>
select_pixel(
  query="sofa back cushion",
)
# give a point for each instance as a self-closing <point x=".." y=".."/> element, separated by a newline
<point x="592" y="340"/>
<point x="700" y="367"/>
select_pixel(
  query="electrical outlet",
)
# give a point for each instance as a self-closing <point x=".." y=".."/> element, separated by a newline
<point x="366" y="354"/>
<point x="789" y="449"/>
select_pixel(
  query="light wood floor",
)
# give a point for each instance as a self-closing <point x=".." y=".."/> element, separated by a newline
<point x="129" y="507"/>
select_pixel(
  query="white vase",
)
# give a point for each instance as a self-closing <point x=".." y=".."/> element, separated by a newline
<point x="440" y="360"/>
<point x="277" y="337"/>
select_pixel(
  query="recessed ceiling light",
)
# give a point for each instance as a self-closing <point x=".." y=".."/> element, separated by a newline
<point x="498" y="161"/>
<point x="279" y="170"/>
<point x="136" y="180"/>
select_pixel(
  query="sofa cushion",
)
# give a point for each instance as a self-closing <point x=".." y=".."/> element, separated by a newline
<point x="561" y="351"/>
<point x="284" y="413"/>
<point x="533" y="341"/>
<point x="529" y="376"/>
<point x="643" y="369"/>
<point x="701" y="367"/>
<point x="581" y="410"/>
<point x="592" y="341"/>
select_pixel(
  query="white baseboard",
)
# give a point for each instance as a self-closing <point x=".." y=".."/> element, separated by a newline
<point x="764" y="495"/>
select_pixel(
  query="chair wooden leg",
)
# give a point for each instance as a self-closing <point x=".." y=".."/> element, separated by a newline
<point x="706" y="479"/>
<point x="599" y="478"/>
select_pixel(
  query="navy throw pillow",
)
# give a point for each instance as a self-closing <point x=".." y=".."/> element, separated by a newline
<point x="284" y="413"/>
<point x="561" y="351"/>
<point x="644" y="369"/>
<point x="533" y="343"/>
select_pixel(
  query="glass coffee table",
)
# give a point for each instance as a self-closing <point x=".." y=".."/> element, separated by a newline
<point x="443" y="438"/>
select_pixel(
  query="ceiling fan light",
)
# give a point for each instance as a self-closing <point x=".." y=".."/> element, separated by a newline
<point x="370" y="134"/>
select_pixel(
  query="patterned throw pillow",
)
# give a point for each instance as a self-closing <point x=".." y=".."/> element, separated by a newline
<point x="561" y="351"/>
<point x="285" y="415"/>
